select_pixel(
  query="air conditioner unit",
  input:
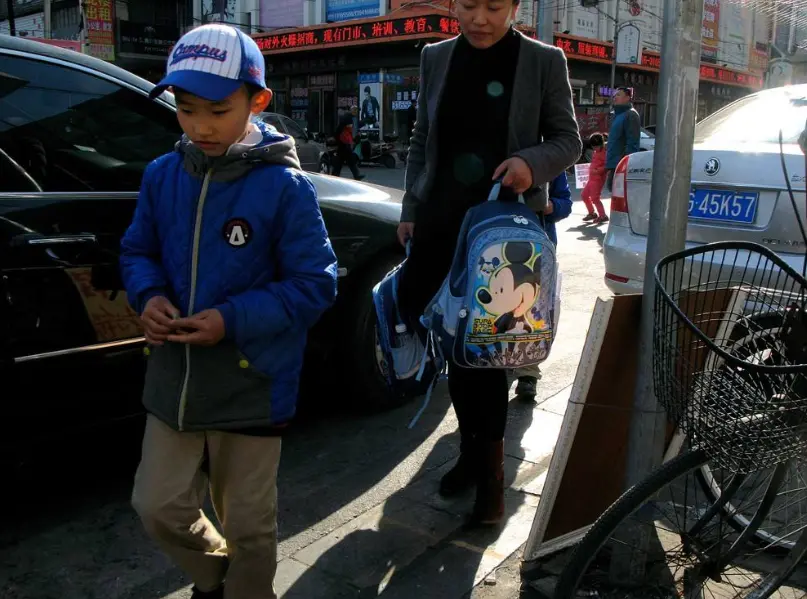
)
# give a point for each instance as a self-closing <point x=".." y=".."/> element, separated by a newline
<point x="589" y="3"/>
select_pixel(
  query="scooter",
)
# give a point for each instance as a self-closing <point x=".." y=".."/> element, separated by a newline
<point x="376" y="153"/>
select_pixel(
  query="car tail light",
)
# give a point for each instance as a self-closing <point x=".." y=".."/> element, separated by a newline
<point x="619" y="190"/>
<point x="616" y="278"/>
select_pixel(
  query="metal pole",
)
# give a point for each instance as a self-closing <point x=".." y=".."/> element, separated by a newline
<point x="12" y="25"/>
<point x="669" y="201"/>
<point x="46" y="10"/>
<point x="545" y="22"/>
<point x="616" y="46"/>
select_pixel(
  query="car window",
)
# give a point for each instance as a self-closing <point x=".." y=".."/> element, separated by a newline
<point x="757" y="119"/>
<point x="274" y="120"/>
<point x="294" y="129"/>
<point x="72" y="131"/>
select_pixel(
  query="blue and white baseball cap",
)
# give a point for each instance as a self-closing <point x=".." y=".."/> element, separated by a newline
<point x="212" y="62"/>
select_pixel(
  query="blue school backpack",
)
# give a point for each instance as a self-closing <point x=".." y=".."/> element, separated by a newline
<point x="499" y="305"/>
<point x="412" y="366"/>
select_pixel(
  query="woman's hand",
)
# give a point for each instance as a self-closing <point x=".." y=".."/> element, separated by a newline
<point x="405" y="232"/>
<point x="518" y="175"/>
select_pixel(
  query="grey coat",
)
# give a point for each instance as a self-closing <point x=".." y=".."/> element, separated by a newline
<point x="543" y="130"/>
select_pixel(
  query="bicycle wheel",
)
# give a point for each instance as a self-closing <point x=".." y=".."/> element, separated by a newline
<point x="787" y="517"/>
<point x="751" y="340"/>
<point x="679" y="560"/>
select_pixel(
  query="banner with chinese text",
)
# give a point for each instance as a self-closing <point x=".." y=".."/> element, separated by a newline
<point x="98" y="16"/>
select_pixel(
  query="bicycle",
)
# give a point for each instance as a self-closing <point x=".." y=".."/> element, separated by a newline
<point x="730" y="368"/>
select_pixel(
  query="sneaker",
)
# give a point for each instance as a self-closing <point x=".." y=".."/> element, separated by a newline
<point x="360" y="177"/>
<point x="589" y="217"/>
<point x="527" y="388"/>
<point x="217" y="594"/>
<point x="602" y="220"/>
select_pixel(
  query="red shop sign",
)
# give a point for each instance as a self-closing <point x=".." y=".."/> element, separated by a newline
<point x="375" y="30"/>
<point x="575" y="48"/>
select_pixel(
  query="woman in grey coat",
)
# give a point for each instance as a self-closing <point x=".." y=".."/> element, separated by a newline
<point x="492" y="103"/>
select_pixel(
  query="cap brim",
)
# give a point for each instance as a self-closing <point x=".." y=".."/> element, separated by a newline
<point x="210" y="87"/>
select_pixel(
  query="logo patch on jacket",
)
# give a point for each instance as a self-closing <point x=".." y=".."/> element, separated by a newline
<point x="237" y="232"/>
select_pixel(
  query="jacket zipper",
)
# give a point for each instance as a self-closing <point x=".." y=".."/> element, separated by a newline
<point x="197" y="229"/>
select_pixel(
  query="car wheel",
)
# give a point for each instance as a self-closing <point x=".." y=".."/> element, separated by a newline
<point x="388" y="160"/>
<point x="364" y="366"/>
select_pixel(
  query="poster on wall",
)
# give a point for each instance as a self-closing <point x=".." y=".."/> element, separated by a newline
<point x="219" y="11"/>
<point x="370" y="103"/>
<point x="629" y="48"/>
<point x="98" y="17"/>
<point x="710" y="28"/>
<point x="343" y="10"/>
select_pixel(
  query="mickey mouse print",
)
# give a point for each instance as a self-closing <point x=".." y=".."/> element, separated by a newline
<point x="506" y="327"/>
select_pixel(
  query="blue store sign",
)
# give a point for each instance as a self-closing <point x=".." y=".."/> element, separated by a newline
<point x="344" y="10"/>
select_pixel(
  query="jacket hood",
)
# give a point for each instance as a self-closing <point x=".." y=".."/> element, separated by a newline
<point x="262" y="145"/>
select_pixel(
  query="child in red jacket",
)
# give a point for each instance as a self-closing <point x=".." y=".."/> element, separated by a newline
<point x="596" y="180"/>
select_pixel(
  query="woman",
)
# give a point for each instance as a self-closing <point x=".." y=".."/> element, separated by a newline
<point x="491" y="102"/>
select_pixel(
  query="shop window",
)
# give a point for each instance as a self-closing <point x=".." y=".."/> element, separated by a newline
<point x="400" y="91"/>
<point x="347" y="91"/>
<point x="299" y="101"/>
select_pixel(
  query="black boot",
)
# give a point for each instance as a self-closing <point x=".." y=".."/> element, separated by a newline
<point x="489" y="504"/>
<point x="463" y="475"/>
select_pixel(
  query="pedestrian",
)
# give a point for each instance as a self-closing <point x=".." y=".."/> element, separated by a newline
<point x="559" y="207"/>
<point x="344" y="146"/>
<point x="493" y="70"/>
<point x="624" y="135"/>
<point x="596" y="179"/>
<point x="228" y="262"/>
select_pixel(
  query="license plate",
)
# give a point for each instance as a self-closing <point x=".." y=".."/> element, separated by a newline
<point x="723" y="205"/>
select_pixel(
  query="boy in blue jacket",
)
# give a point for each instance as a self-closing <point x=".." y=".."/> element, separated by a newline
<point x="229" y="264"/>
<point x="560" y="207"/>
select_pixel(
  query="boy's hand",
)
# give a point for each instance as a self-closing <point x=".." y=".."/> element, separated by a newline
<point x="405" y="232"/>
<point x="517" y="174"/>
<point x="204" y="328"/>
<point x="158" y="319"/>
<point x="550" y="208"/>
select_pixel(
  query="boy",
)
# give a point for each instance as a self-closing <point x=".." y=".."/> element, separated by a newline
<point x="229" y="263"/>
<point x="560" y="207"/>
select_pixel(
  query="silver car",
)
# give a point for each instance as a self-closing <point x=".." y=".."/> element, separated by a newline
<point x="739" y="190"/>
<point x="309" y="152"/>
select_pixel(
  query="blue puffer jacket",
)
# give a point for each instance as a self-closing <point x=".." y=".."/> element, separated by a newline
<point x="242" y="233"/>
<point x="561" y="197"/>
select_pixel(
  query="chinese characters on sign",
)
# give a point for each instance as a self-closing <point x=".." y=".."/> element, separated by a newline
<point x="581" y="49"/>
<point x="376" y="30"/>
<point x="140" y="38"/>
<point x="98" y="15"/>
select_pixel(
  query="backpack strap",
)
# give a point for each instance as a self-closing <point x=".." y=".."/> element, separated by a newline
<point x="437" y="352"/>
<point x="497" y="188"/>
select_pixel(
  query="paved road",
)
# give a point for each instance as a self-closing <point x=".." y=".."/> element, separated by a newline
<point x="358" y="512"/>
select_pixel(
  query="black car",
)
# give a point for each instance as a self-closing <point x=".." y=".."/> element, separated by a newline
<point x="75" y="136"/>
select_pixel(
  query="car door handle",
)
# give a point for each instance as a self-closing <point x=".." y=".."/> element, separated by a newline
<point x="37" y="240"/>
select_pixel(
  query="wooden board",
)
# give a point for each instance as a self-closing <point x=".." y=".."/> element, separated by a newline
<point x="587" y="470"/>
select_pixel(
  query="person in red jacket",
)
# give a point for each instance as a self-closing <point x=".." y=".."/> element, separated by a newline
<point x="596" y="179"/>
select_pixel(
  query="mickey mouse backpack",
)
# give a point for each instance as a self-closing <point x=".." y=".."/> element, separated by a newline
<point x="500" y="303"/>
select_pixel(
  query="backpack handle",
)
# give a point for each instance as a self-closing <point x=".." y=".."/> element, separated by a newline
<point x="496" y="189"/>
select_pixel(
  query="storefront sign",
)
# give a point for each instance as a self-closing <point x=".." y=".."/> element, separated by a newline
<point x="732" y="77"/>
<point x="574" y="48"/>
<point x="388" y="29"/>
<point x="143" y="38"/>
<point x="345" y="10"/>
<point x="710" y="30"/>
<point x="328" y="80"/>
<point x="98" y="16"/>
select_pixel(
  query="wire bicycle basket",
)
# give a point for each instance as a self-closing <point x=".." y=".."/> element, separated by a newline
<point x="730" y="352"/>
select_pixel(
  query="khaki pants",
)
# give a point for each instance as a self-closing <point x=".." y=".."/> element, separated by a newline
<point x="169" y="493"/>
